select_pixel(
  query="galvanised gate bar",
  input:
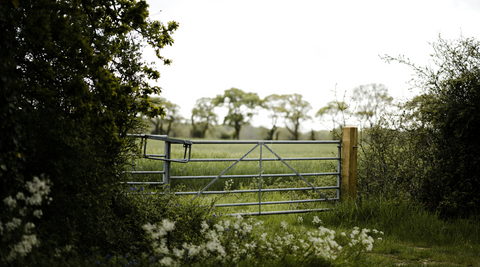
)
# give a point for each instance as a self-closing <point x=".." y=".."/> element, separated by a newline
<point x="344" y="184"/>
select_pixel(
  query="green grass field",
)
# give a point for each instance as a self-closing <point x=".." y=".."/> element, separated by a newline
<point x="235" y="151"/>
<point x="413" y="237"/>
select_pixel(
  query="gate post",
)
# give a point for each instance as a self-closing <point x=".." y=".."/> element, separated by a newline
<point x="166" y="163"/>
<point x="348" y="180"/>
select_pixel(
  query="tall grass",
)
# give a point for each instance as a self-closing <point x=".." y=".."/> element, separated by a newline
<point x="404" y="221"/>
<point x="235" y="151"/>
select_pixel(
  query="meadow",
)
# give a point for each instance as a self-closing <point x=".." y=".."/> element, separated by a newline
<point x="183" y="181"/>
<point x="411" y="236"/>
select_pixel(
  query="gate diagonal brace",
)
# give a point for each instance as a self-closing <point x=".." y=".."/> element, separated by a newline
<point x="231" y="166"/>
<point x="298" y="174"/>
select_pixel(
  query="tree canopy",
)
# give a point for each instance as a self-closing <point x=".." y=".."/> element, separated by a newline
<point x="275" y="104"/>
<point x="336" y="110"/>
<point x="73" y="84"/>
<point x="203" y="116"/>
<point x="170" y="115"/>
<point x="370" y="100"/>
<point x="295" y="111"/>
<point x="241" y="107"/>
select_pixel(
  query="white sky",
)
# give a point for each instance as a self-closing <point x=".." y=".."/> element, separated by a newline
<point x="303" y="46"/>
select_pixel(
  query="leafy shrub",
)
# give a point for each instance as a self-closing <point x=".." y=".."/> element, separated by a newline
<point x="446" y="121"/>
<point x="72" y="85"/>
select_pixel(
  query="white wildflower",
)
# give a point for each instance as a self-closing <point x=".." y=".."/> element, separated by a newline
<point x="284" y="225"/>
<point x="239" y="217"/>
<point x="38" y="213"/>
<point x="316" y="220"/>
<point x="10" y="202"/>
<point x="343" y="234"/>
<point x="23" y="211"/>
<point x="204" y="226"/>
<point x="219" y="227"/>
<point x="168" y="225"/>
<point x="355" y="232"/>
<point x="13" y="224"/>
<point x="167" y="261"/>
<point x="263" y="236"/>
<point x="29" y="226"/>
<point x="20" y="196"/>
<point x="178" y="252"/>
<point x="23" y="247"/>
<point x="226" y="224"/>
<point x="193" y="250"/>
<point x="35" y="199"/>
<point x="228" y="185"/>
<point x="300" y="219"/>
<point x="162" y="248"/>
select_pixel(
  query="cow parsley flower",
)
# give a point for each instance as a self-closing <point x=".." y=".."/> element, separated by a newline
<point x="10" y="202"/>
<point x="38" y="213"/>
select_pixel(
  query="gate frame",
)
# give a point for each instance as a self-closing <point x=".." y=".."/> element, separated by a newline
<point x="346" y="168"/>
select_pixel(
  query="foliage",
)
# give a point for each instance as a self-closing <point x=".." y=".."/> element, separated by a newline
<point x="241" y="107"/>
<point x="389" y="163"/>
<point x="334" y="109"/>
<point x="203" y="116"/>
<point x="447" y="119"/>
<point x="292" y="108"/>
<point x="370" y="101"/>
<point x="275" y="104"/>
<point x="295" y="111"/>
<point x="403" y="220"/>
<point x="72" y="86"/>
<point x="169" y="116"/>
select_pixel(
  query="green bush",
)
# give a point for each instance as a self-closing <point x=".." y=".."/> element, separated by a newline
<point x="72" y="85"/>
<point x="446" y="122"/>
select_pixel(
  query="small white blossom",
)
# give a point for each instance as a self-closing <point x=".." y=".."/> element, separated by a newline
<point x="23" y="211"/>
<point x="204" y="226"/>
<point x="29" y="226"/>
<point x="20" y="196"/>
<point x="167" y="261"/>
<point x="23" y="247"/>
<point x="13" y="224"/>
<point x="10" y="202"/>
<point x="38" y="213"/>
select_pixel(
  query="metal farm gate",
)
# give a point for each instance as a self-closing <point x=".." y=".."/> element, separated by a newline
<point x="345" y="173"/>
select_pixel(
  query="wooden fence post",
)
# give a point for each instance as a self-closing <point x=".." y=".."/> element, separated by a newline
<point x="348" y="179"/>
<point x="166" y="163"/>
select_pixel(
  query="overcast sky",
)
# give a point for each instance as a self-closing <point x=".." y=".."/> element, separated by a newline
<point x="306" y="47"/>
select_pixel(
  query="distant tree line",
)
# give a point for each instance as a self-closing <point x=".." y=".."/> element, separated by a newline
<point x="288" y="111"/>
